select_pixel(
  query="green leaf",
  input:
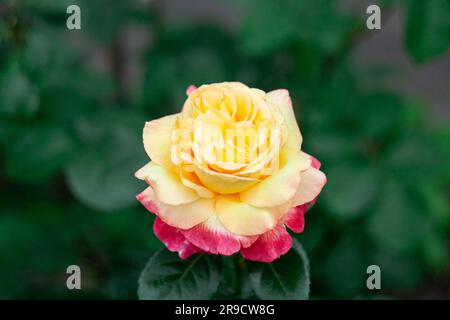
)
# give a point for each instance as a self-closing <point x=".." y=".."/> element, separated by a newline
<point x="210" y="60"/>
<point x="269" y="25"/>
<point x="330" y="144"/>
<point x="344" y="270"/>
<point x="350" y="189"/>
<point x="397" y="223"/>
<point x="442" y="139"/>
<point x="230" y="283"/>
<point x="105" y="25"/>
<point x="413" y="157"/>
<point x="382" y="114"/>
<point x="314" y="235"/>
<point x="427" y="28"/>
<point x="398" y="272"/>
<point x="49" y="6"/>
<point x="166" y="276"/>
<point x="103" y="177"/>
<point x="235" y="283"/>
<point x="285" y="278"/>
<point x="37" y="152"/>
<point x="436" y="251"/>
<point x="18" y="95"/>
<point x="259" y="33"/>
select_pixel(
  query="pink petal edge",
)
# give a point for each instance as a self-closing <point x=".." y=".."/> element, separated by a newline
<point x="269" y="246"/>
<point x="190" y="89"/>
<point x="315" y="163"/>
<point x="174" y="240"/>
<point x="215" y="239"/>
<point x="144" y="199"/>
<point x="295" y="218"/>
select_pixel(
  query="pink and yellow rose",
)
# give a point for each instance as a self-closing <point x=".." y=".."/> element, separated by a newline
<point x="227" y="173"/>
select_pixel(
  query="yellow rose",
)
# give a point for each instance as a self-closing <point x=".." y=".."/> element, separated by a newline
<point x="228" y="174"/>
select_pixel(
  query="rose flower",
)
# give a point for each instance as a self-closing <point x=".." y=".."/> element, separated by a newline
<point x="227" y="173"/>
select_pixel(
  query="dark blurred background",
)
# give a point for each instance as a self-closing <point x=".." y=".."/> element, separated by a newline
<point x="373" y="106"/>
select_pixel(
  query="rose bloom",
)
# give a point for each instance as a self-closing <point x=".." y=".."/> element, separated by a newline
<point x="227" y="173"/>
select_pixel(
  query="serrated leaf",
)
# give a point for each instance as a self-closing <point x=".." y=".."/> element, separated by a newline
<point x="285" y="278"/>
<point x="166" y="276"/>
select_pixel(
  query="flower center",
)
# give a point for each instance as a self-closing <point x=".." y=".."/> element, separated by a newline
<point x="228" y="130"/>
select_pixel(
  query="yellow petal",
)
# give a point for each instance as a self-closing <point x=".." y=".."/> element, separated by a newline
<point x="227" y="167"/>
<point x="245" y="220"/>
<point x="311" y="183"/>
<point x="282" y="99"/>
<point x="142" y="173"/>
<point x="168" y="186"/>
<point x="157" y="138"/>
<point x="184" y="216"/>
<point x="223" y="183"/>
<point x="190" y="180"/>
<point x="266" y="158"/>
<point x="281" y="186"/>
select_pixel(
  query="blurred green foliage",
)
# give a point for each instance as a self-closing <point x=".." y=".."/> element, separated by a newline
<point x="70" y="139"/>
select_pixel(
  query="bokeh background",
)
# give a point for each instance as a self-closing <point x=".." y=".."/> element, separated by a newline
<point x="373" y="106"/>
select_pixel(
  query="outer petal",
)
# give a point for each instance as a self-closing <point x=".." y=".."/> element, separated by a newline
<point x="174" y="239"/>
<point x="190" y="89"/>
<point x="212" y="237"/>
<point x="295" y="219"/>
<point x="282" y="99"/>
<point x="270" y="246"/>
<point x="282" y="185"/>
<point x="245" y="220"/>
<point x="184" y="216"/>
<point x="223" y="183"/>
<point x="142" y="173"/>
<point x="157" y="137"/>
<point x="167" y="185"/>
<point x="311" y="184"/>
<point x="314" y="162"/>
